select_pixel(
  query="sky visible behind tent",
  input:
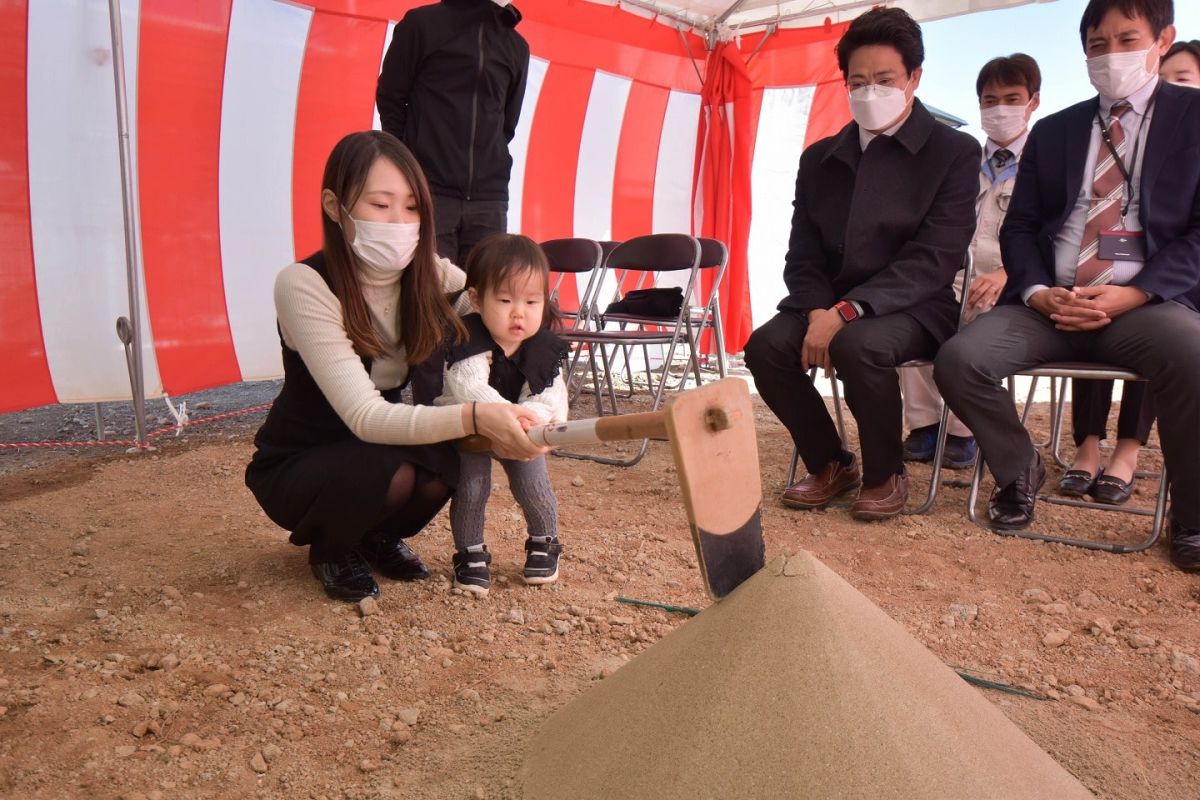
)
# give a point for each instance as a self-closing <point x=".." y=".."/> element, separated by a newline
<point x="956" y="48"/>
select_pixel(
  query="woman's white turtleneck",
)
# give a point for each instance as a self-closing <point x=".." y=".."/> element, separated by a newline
<point x="310" y="317"/>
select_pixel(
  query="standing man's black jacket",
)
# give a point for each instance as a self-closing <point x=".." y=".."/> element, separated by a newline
<point x="451" y="89"/>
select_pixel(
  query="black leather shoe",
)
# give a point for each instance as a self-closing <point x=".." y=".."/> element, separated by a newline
<point x="392" y="558"/>
<point x="1185" y="547"/>
<point x="1112" y="491"/>
<point x="347" y="579"/>
<point x="1011" y="506"/>
<point x="1076" y="483"/>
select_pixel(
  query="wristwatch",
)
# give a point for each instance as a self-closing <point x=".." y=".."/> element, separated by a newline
<point x="846" y="310"/>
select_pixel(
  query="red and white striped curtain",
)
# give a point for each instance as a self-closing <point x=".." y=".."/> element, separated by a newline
<point x="234" y="106"/>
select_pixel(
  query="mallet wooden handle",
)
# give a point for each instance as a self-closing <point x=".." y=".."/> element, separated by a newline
<point x="646" y="425"/>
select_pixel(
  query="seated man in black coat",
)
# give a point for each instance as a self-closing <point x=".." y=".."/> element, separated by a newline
<point x="884" y="213"/>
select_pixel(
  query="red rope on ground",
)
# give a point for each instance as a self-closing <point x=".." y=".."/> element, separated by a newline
<point x="134" y="442"/>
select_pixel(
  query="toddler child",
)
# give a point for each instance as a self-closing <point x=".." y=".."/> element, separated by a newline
<point x="510" y="355"/>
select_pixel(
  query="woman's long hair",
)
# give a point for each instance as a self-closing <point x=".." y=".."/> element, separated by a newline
<point x="425" y="316"/>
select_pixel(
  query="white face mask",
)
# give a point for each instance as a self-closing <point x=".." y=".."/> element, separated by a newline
<point x="875" y="107"/>
<point x="386" y="246"/>
<point x="1118" y="75"/>
<point x="1003" y="123"/>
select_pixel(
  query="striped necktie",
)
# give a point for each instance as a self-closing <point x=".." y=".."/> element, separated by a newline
<point x="1108" y="186"/>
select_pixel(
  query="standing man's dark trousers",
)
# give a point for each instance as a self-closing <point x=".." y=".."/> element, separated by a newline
<point x="1160" y="341"/>
<point x="461" y="224"/>
<point x="865" y="355"/>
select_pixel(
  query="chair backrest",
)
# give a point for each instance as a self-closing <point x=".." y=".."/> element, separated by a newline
<point x="713" y="253"/>
<point x="573" y="255"/>
<point x="656" y="252"/>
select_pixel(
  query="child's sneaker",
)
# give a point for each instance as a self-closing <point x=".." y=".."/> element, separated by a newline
<point x="471" y="571"/>
<point x="541" y="560"/>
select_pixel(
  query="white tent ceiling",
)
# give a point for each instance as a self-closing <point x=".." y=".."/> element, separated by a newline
<point x="728" y="18"/>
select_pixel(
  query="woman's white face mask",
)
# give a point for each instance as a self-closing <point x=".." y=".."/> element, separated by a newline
<point x="1118" y="75"/>
<point x="386" y="246"/>
<point x="875" y="107"/>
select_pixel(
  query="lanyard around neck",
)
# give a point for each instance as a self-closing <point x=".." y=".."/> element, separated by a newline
<point x="1126" y="171"/>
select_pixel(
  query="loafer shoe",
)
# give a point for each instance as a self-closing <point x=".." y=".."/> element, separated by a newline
<point x="921" y="443"/>
<point x="960" y="452"/>
<point x="1111" y="490"/>
<point x="1011" y="506"/>
<point x="1076" y="483"/>
<point x="348" y="578"/>
<point x="1185" y="547"/>
<point x="392" y="558"/>
<point x="816" y="491"/>
<point x="883" y="501"/>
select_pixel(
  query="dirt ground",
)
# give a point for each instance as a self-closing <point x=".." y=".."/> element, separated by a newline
<point x="159" y="638"/>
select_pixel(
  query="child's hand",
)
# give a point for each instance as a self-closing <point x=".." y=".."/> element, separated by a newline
<point x="527" y="423"/>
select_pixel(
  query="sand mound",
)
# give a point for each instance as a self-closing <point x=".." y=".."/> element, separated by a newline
<point x="794" y="686"/>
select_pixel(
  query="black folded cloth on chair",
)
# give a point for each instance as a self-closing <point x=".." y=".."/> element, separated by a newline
<point x="649" y="303"/>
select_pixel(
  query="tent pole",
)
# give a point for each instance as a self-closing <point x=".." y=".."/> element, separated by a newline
<point x="729" y="12"/>
<point x="131" y="336"/>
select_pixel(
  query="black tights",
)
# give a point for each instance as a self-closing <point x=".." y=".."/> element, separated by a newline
<point x="414" y="497"/>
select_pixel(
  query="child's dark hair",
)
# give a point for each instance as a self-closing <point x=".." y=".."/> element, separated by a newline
<point x="501" y="257"/>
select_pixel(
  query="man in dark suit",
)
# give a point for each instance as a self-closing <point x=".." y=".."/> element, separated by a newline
<point x="883" y="215"/>
<point x="1102" y="246"/>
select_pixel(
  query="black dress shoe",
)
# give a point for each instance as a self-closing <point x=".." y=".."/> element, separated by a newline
<point x="392" y="558"/>
<point x="1185" y="547"/>
<point x="347" y="579"/>
<point x="1076" y="483"/>
<point x="1011" y="506"/>
<point x="1112" y="491"/>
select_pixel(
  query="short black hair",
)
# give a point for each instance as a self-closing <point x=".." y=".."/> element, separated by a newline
<point x="1015" y="70"/>
<point x="1192" y="48"/>
<point x="887" y="26"/>
<point x="1159" y="13"/>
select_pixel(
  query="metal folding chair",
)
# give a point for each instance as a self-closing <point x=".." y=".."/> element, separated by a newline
<point x="573" y="257"/>
<point x="1082" y="371"/>
<point x="643" y="255"/>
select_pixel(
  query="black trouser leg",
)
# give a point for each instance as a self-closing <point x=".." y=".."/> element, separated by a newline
<point x="447" y="218"/>
<point x="773" y="358"/>
<point x="970" y="370"/>
<point x="1162" y="342"/>
<point x="1090" y="403"/>
<point x="1137" y="412"/>
<point x="865" y="355"/>
<point x="480" y="219"/>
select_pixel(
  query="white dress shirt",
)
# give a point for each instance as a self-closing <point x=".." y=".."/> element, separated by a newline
<point x="1067" y="243"/>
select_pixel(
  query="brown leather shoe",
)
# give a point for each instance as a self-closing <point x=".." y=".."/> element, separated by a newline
<point x="883" y="501"/>
<point x="815" y="491"/>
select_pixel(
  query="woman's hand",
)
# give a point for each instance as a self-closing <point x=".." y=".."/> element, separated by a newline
<point x="505" y="425"/>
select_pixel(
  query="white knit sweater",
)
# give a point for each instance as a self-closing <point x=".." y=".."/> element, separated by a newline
<point x="310" y="317"/>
